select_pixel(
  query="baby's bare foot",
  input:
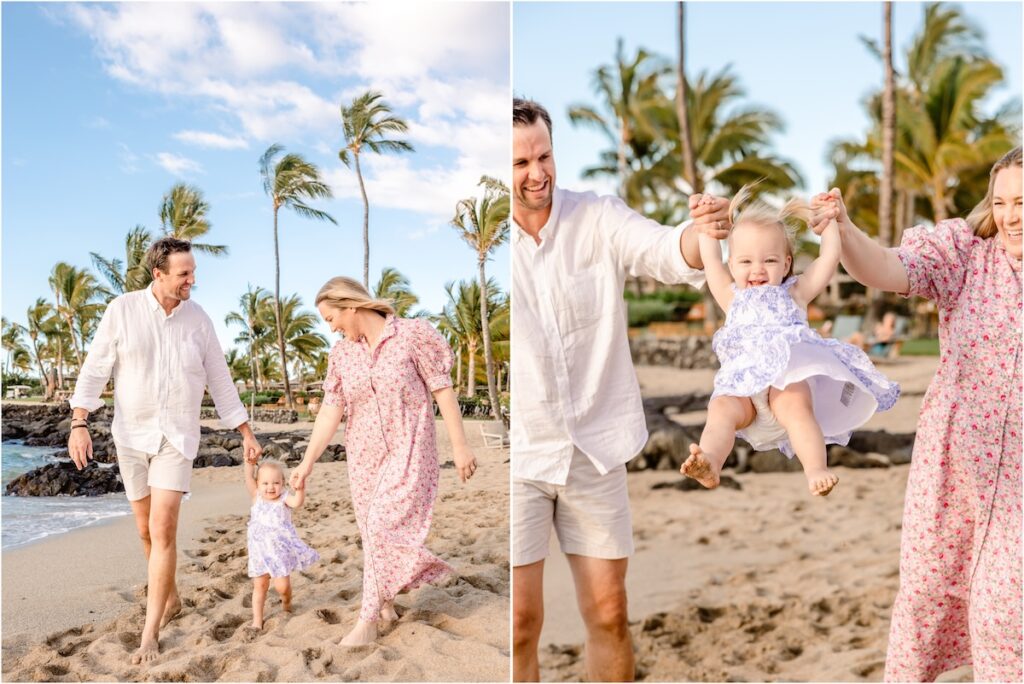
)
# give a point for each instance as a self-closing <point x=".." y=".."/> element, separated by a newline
<point x="821" y="482"/>
<point x="362" y="634"/>
<point x="700" y="468"/>
<point x="387" y="612"/>
<point x="147" y="653"/>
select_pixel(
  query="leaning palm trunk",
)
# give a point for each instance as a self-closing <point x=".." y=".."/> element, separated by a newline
<point x="492" y="389"/>
<point x="471" y="370"/>
<point x="885" y="193"/>
<point x="366" y="226"/>
<point x="277" y="318"/>
<point x="458" y="368"/>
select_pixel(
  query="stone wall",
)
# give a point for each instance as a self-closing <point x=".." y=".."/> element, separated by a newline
<point x="679" y="352"/>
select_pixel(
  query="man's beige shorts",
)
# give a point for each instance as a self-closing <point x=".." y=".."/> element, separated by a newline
<point x="166" y="469"/>
<point x="590" y="514"/>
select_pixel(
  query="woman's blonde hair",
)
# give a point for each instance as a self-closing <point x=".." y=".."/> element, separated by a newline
<point x="273" y="464"/>
<point x="758" y="212"/>
<point x="342" y="292"/>
<point x="980" y="218"/>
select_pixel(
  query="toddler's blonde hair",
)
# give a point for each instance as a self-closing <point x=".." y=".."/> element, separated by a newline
<point x="273" y="464"/>
<point x="743" y="209"/>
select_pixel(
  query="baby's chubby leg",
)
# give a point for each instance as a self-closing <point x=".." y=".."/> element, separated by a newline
<point x="283" y="587"/>
<point x="794" y="409"/>
<point x="726" y="415"/>
<point x="260" y="586"/>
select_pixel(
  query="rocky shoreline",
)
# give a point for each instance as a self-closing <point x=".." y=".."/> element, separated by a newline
<point x="48" y="425"/>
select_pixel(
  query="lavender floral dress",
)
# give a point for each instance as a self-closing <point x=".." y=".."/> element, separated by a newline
<point x="274" y="546"/>
<point x="766" y="342"/>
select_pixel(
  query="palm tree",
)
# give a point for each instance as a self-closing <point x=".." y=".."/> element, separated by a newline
<point x="484" y="225"/>
<point x="40" y="326"/>
<point x="251" y="305"/>
<point x="183" y="214"/>
<point x="682" y="107"/>
<point x="290" y="182"/>
<point x="395" y="287"/>
<point x="460" y="321"/>
<point x="366" y="122"/>
<point x="76" y="291"/>
<point x="131" y="274"/>
<point x="11" y="339"/>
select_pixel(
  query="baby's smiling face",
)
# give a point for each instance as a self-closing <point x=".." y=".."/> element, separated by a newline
<point x="758" y="255"/>
<point x="270" y="483"/>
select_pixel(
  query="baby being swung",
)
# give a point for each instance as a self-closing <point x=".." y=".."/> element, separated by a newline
<point x="781" y="385"/>
<point x="275" y="550"/>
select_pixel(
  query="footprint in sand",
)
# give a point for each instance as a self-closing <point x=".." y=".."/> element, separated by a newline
<point x="328" y="616"/>
<point x="66" y="643"/>
<point x="225" y="629"/>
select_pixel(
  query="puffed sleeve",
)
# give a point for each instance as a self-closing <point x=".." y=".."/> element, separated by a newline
<point x="432" y="355"/>
<point x="937" y="260"/>
<point x="333" y="395"/>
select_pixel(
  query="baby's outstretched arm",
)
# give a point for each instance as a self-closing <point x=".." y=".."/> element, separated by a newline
<point x="296" y="498"/>
<point x="250" y="477"/>
<point x="813" y="281"/>
<point x="718" y="276"/>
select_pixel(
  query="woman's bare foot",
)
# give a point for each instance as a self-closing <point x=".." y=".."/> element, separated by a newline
<point x="362" y="634"/>
<point x="147" y="653"/>
<point x="387" y="612"/>
<point x="821" y="482"/>
<point x="700" y="468"/>
<point x="171" y="609"/>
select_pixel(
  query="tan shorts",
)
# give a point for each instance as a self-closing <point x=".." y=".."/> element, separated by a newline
<point x="166" y="469"/>
<point x="590" y="514"/>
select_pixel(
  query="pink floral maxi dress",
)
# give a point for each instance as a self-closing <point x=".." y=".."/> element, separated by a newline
<point x="391" y="451"/>
<point x="959" y="600"/>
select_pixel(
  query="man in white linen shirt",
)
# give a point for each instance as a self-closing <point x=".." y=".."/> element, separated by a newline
<point x="163" y="353"/>
<point x="576" y="407"/>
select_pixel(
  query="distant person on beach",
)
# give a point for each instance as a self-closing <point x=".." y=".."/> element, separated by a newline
<point x="575" y="396"/>
<point x="385" y="376"/>
<point x="959" y="601"/>
<point x="781" y="385"/>
<point x="163" y="352"/>
<point x="274" y="548"/>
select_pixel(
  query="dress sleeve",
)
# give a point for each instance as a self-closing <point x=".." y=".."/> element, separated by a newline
<point x="333" y="395"/>
<point x="937" y="260"/>
<point x="432" y="355"/>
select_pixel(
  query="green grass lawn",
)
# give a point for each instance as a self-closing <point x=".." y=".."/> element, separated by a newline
<point x="928" y="346"/>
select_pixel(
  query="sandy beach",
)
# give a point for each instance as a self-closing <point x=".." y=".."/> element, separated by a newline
<point x="73" y="605"/>
<point x="765" y="583"/>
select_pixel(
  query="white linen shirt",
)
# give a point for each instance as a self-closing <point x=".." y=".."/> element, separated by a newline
<point x="573" y="381"/>
<point x="161" y="364"/>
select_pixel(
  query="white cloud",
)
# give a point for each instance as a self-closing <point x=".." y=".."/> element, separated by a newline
<point x="128" y="160"/>
<point x="97" y="122"/>
<point x="177" y="165"/>
<point x="212" y="140"/>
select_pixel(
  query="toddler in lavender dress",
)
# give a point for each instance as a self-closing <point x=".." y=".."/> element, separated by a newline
<point x="781" y="385"/>
<point x="275" y="549"/>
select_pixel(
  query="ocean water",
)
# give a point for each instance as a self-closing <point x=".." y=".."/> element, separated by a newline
<point x="29" y="518"/>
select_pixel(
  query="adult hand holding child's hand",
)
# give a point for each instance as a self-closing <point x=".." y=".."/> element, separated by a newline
<point x="827" y="207"/>
<point x="710" y="215"/>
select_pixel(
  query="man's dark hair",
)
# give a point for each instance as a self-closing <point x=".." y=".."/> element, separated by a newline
<point x="159" y="253"/>
<point x="526" y="112"/>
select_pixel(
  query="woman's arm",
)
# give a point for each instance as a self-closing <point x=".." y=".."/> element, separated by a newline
<point x="250" y="477"/>
<point x="326" y="424"/>
<point x="864" y="259"/>
<point x="465" y="461"/>
<point x="813" y="281"/>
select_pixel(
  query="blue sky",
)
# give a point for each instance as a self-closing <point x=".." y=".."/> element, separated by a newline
<point x="105" y="107"/>
<point x="803" y="60"/>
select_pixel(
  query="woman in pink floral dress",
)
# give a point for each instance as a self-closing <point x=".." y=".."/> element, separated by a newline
<point x="959" y="601"/>
<point x="384" y="377"/>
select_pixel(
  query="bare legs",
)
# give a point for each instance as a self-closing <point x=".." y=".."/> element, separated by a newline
<point x="601" y="595"/>
<point x="726" y="415"/>
<point x="159" y="541"/>
<point x="527" y="620"/>
<point x="260" y="587"/>
<point x="794" y="410"/>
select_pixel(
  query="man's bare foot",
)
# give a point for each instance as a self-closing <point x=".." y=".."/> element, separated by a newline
<point x="362" y="634"/>
<point x="171" y="610"/>
<point x="821" y="482"/>
<point x="700" y="468"/>
<point x="387" y="612"/>
<point x="147" y="653"/>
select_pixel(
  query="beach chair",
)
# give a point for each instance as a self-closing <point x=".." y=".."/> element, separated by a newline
<point x="494" y="434"/>
<point x="845" y="326"/>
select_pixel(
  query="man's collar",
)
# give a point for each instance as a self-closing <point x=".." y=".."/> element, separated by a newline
<point x="155" y="305"/>
<point x="548" y="229"/>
